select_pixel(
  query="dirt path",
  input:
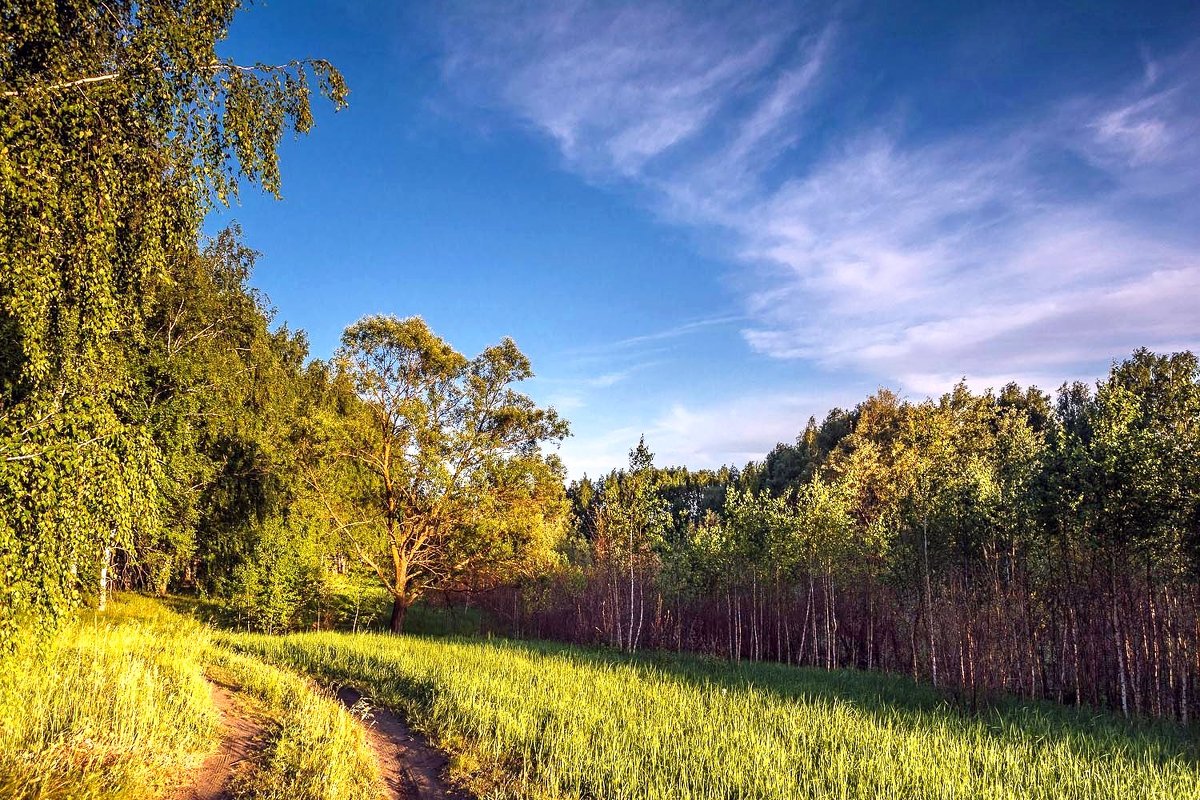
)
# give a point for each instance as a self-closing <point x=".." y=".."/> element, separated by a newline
<point x="241" y="735"/>
<point x="411" y="768"/>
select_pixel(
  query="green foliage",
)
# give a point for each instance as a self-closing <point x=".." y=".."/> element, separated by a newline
<point x="431" y="465"/>
<point x="1144" y="459"/>
<point x="633" y="517"/>
<point x="119" y="127"/>
<point x="282" y="581"/>
<point x="226" y="397"/>
<point x="989" y="540"/>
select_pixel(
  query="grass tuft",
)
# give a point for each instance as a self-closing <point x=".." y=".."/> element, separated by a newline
<point x="117" y="707"/>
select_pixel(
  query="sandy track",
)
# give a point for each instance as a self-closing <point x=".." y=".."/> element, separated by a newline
<point x="241" y="737"/>
<point x="411" y="768"/>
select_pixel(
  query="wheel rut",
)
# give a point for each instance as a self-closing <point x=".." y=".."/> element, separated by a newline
<point x="242" y="736"/>
<point x="412" y="769"/>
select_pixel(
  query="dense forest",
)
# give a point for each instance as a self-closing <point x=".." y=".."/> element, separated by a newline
<point x="981" y="541"/>
<point x="160" y="430"/>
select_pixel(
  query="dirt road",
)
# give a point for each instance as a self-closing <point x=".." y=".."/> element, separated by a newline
<point x="241" y="736"/>
<point x="411" y="768"/>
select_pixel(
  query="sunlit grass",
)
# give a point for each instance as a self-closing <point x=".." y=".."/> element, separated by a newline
<point x="317" y="751"/>
<point x="109" y="708"/>
<point x="117" y="706"/>
<point x="567" y="723"/>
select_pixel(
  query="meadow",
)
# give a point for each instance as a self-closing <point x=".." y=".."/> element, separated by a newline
<point x="540" y="720"/>
<point x="118" y="706"/>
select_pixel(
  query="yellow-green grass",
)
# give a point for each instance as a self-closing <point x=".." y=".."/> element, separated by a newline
<point x="569" y="723"/>
<point x="117" y="706"/>
<point x="317" y="751"/>
<point x="110" y="708"/>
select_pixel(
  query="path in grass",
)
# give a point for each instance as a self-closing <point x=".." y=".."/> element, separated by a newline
<point x="411" y="768"/>
<point x="242" y="736"/>
<point x="549" y="720"/>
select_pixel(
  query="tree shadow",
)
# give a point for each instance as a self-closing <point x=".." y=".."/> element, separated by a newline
<point x="899" y="700"/>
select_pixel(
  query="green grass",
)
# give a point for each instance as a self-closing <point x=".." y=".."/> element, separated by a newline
<point x="108" y="708"/>
<point x="552" y="721"/>
<point x="316" y="751"/>
<point x="118" y="706"/>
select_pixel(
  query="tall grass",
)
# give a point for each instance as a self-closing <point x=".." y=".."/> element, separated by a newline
<point x="317" y="750"/>
<point x="109" y="708"/>
<point x="117" y="706"/>
<point x="568" y="723"/>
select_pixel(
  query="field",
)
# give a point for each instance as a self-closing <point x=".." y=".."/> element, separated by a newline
<point x="548" y="721"/>
<point x="121" y="706"/>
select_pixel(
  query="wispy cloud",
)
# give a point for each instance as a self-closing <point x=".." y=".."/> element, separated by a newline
<point x="1041" y="245"/>
<point x="574" y="392"/>
<point x="615" y="85"/>
<point x="674" y="332"/>
<point x="608" y="379"/>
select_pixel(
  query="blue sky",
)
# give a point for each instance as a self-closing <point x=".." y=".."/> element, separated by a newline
<point x="706" y="222"/>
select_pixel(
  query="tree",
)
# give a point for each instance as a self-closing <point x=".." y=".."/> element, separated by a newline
<point x="433" y="467"/>
<point x="225" y="395"/>
<point x="633" y="520"/>
<point x="120" y="126"/>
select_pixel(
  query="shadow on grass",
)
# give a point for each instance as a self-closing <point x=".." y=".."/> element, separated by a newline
<point x="897" y="699"/>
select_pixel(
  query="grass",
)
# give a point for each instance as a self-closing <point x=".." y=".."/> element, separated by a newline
<point x="317" y="751"/>
<point x="106" y="709"/>
<point x="118" y="706"/>
<point x="551" y="721"/>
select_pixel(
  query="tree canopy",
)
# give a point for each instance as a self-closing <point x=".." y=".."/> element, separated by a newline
<point x="120" y="125"/>
<point x="433" y="469"/>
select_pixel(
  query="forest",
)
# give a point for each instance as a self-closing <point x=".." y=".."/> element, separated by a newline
<point x="163" y="431"/>
<point x="993" y="541"/>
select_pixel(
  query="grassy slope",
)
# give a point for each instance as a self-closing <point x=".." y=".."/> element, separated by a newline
<point x="117" y="706"/>
<point x="562" y="722"/>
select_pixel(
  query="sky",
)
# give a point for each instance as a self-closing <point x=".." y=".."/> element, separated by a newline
<point x="707" y="222"/>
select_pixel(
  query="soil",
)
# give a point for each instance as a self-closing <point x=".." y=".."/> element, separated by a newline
<point x="411" y="768"/>
<point x="241" y="736"/>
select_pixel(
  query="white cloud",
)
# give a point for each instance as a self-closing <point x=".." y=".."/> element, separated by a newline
<point x="932" y="262"/>
<point x="1042" y="246"/>
<point x="1135" y="131"/>
<point x="615" y="85"/>
<point x="1147" y="137"/>
<point x="703" y="435"/>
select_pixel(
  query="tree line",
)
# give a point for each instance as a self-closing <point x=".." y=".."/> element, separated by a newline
<point x="983" y="541"/>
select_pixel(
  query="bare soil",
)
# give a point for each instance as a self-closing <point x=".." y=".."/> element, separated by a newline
<point x="411" y="768"/>
<point x="241" y="736"/>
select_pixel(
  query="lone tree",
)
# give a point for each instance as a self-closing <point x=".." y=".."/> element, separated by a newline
<point x="433" y="470"/>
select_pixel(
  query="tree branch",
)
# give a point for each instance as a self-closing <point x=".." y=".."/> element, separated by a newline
<point x="112" y="76"/>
